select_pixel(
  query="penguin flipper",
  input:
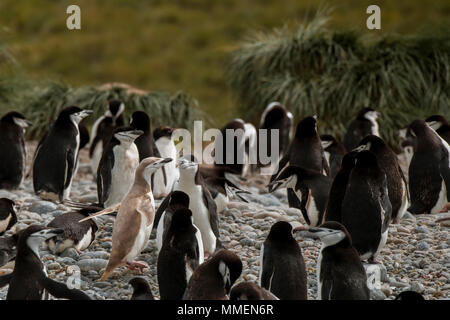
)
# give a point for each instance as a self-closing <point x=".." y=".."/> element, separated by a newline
<point x="267" y="268"/>
<point x="4" y="280"/>
<point x="70" y="163"/>
<point x="444" y="169"/>
<point x="162" y="207"/>
<point x="212" y="209"/>
<point x="60" y="290"/>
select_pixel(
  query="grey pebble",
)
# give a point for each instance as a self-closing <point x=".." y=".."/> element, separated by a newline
<point x="92" y="264"/>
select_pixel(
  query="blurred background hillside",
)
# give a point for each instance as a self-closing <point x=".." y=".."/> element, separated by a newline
<point x="173" y="45"/>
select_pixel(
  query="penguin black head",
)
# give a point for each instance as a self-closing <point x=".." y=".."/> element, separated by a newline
<point x="436" y="121"/>
<point x="274" y="112"/>
<point x="162" y="132"/>
<point x="181" y="221"/>
<point x="371" y="142"/>
<point x="330" y="233"/>
<point x="115" y="108"/>
<point x="280" y="231"/>
<point x="306" y="127"/>
<point x="179" y="199"/>
<point x="141" y="288"/>
<point x="422" y="133"/>
<point x="367" y="114"/>
<point x="229" y="266"/>
<point x="34" y="235"/>
<point x="289" y="176"/>
<point x="16" y="118"/>
<point x="6" y="207"/>
<point x="327" y="140"/>
<point x="140" y="120"/>
<point x="126" y="134"/>
<point x="409" y="296"/>
<point x="73" y="114"/>
<point x="147" y="167"/>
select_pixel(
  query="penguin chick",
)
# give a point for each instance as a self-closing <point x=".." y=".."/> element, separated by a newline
<point x="212" y="280"/>
<point x="134" y="220"/>
<point x="282" y="268"/>
<point x="76" y="235"/>
<point x="141" y="289"/>
<point x="307" y="189"/>
<point x="29" y="280"/>
<point x="8" y="217"/>
<point x="180" y="255"/>
<point x="250" y="291"/>
<point x="12" y="144"/>
<point x="340" y="273"/>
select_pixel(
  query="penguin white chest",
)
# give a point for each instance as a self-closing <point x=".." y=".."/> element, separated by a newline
<point x="145" y="229"/>
<point x="163" y="186"/>
<point x="126" y="160"/>
<point x="200" y="214"/>
<point x="221" y="202"/>
<point x="4" y="223"/>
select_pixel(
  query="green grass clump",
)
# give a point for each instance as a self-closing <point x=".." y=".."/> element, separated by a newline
<point x="334" y="74"/>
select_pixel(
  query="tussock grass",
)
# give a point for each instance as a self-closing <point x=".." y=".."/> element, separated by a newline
<point x="333" y="74"/>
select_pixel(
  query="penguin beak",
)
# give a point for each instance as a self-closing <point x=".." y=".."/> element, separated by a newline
<point x="130" y="134"/>
<point x="162" y="162"/>
<point x="312" y="233"/>
<point x="360" y="148"/>
<point x="86" y="113"/>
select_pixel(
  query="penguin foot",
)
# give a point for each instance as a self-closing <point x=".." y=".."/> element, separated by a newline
<point x="374" y="260"/>
<point x="445" y="208"/>
<point x="137" y="265"/>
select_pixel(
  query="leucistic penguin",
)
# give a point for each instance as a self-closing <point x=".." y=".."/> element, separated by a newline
<point x="29" y="280"/>
<point x="56" y="158"/>
<point x="340" y="273"/>
<point x="366" y="209"/>
<point x="212" y="280"/>
<point x="364" y="124"/>
<point x="282" y="268"/>
<point x="308" y="190"/>
<point x="134" y="220"/>
<point x="334" y="152"/>
<point x="8" y="217"/>
<point x="102" y="131"/>
<point x="429" y="171"/>
<point x="276" y="117"/>
<point x="180" y="255"/>
<point x="12" y="144"/>
<point x="76" y="235"/>
<point x="117" y="167"/>
<point x="396" y="181"/>
<point x="164" y="179"/>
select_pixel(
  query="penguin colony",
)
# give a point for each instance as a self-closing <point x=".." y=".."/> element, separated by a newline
<point x="348" y="194"/>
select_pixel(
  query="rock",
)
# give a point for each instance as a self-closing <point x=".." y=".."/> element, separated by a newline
<point x="421" y="229"/>
<point x="42" y="206"/>
<point x="417" y="287"/>
<point x="67" y="261"/>
<point x="92" y="264"/>
<point x="53" y="266"/>
<point x="70" y="253"/>
<point x="377" y="294"/>
<point x="422" y="246"/>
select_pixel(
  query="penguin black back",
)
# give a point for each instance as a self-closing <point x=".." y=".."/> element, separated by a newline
<point x="410" y="296"/>
<point x="179" y="256"/>
<point x="366" y="209"/>
<point x="12" y="144"/>
<point x="145" y="143"/>
<point x="283" y="269"/>
<point x="250" y="291"/>
<point x="429" y="170"/>
<point x="8" y="217"/>
<point x="141" y="289"/>
<point x="338" y="188"/>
